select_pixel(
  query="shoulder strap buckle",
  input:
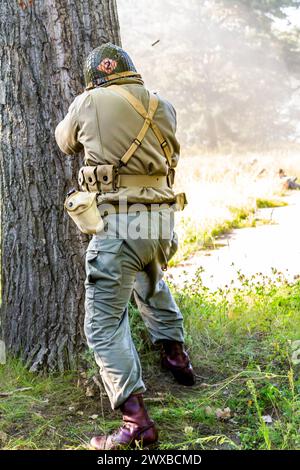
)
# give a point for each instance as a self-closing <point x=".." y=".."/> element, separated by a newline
<point x="137" y="141"/>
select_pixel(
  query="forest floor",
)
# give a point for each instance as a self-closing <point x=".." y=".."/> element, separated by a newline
<point x="244" y="339"/>
<point x="268" y="246"/>
<point x="245" y="348"/>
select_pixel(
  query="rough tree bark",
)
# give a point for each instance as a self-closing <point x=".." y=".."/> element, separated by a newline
<point x="43" y="46"/>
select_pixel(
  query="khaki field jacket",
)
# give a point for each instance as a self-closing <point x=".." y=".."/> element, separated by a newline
<point x="104" y="125"/>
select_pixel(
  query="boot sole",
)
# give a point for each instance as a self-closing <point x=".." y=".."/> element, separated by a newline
<point x="164" y="368"/>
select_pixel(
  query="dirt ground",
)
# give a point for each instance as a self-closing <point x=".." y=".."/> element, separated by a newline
<point x="254" y="250"/>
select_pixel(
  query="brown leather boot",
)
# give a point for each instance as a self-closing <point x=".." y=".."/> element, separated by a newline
<point x="176" y="359"/>
<point x="137" y="428"/>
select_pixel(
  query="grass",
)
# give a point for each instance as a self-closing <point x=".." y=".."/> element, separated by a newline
<point x="241" y="341"/>
<point x="244" y="341"/>
<point x="269" y="203"/>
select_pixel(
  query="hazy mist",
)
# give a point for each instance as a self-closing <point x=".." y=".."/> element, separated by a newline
<point x="230" y="68"/>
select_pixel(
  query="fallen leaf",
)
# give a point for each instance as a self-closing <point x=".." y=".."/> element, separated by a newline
<point x="90" y="392"/>
<point x="267" y="419"/>
<point x="209" y="411"/>
<point x="94" y="417"/>
<point x="223" y="414"/>
<point x="97" y="382"/>
<point x="296" y="357"/>
<point x="3" y="437"/>
<point x="188" y="430"/>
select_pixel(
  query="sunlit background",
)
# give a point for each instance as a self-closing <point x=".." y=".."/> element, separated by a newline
<point x="231" y="68"/>
<point x="232" y="71"/>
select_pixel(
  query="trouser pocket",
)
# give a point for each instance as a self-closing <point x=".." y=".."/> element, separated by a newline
<point x="102" y="285"/>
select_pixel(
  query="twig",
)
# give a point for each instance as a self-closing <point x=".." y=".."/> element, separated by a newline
<point x="8" y="394"/>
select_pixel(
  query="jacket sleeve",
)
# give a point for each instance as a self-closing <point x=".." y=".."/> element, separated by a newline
<point x="66" y="133"/>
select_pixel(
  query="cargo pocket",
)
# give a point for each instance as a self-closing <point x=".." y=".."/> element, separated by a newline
<point x="103" y="283"/>
<point x="91" y="255"/>
<point x="90" y="264"/>
<point x="103" y="260"/>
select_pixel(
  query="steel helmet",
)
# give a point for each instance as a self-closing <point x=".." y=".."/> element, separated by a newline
<point x="107" y="63"/>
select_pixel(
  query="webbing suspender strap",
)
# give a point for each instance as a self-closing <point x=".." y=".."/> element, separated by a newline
<point x="148" y="116"/>
<point x="153" y="103"/>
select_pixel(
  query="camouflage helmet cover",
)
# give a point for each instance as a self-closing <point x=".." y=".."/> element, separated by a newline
<point x="106" y="63"/>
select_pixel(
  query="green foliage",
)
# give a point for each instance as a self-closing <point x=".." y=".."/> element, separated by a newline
<point x="229" y="71"/>
<point x="240" y="340"/>
<point x="242" y="336"/>
<point x="269" y="203"/>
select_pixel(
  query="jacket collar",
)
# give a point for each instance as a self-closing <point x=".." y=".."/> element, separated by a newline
<point x="123" y="81"/>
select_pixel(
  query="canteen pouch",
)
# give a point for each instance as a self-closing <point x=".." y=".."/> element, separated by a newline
<point x="82" y="208"/>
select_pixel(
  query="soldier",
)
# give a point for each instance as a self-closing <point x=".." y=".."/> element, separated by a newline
<point x="289" y="182"/>
<point x="130" y="152"/>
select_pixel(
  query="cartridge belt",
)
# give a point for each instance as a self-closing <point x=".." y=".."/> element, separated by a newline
<point x="106" y="178"/>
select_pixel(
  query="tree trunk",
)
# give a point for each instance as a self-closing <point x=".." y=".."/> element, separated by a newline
<point x="43" y="47"/>
<point x="211" y="130"/>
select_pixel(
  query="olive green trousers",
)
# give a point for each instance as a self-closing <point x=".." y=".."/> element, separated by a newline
<point x="117" y="265"/>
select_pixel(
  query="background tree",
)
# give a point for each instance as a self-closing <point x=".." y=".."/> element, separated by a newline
<point x="43" y="47"/>
<point x="231" y="71"/>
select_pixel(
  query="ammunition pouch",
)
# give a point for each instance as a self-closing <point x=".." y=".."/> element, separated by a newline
<point x="105" y="178"/>
<point x="82" y="208"/>
<point x="100" y="178"/>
